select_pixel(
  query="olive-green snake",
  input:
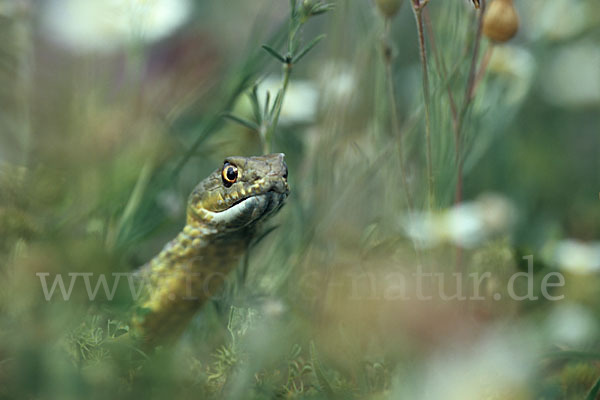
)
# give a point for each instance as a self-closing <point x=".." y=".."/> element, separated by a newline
<point x="224" y="212"/>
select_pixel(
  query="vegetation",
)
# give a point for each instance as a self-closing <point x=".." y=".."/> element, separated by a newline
<point x="442" y="185"/>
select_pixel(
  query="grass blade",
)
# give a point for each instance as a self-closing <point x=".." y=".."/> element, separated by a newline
<point x="593" y="394"/>
<point x="267" y="103"/>
<point x="244" y="122"/>
<point x="308" y="48"/>
<point x="273" y="52"/>
<point x="323" y="383"/>
<point x="253" y="95"/>
<point x="275" y="104"/>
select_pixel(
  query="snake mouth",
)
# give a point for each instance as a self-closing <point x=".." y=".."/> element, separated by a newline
<point x="246" y="211"/>
<point x="279" y="187"/>
<point x="240" y="201"/>
<point x="273" y="190"/>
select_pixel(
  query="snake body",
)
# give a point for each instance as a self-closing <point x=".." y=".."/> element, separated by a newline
<point x="224" y="212"/>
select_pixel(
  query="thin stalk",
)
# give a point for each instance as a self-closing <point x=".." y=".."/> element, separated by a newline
<point x="471" y="81"/>
<point x="133" y="203"/>
<point x="441" y="66"/>
<point x="418" y="9"/>
<point x="394" y="115"/>
<point x="387" y="57"/>
<point x="483" y="67"/>
<point x="474" y="59"/>
<point x="287" y="72"/>
<point x="466" y="102"/>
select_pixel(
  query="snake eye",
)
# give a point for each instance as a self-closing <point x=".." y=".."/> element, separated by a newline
<point x="229" y="174"/>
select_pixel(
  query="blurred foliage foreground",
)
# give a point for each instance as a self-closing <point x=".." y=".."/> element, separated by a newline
<point x="416" y="146"/>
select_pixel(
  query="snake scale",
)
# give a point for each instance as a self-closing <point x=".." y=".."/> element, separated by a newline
<point x="224" y="212"/>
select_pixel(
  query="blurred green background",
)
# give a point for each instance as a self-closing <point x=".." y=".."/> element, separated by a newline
<point x="111" y="112"/>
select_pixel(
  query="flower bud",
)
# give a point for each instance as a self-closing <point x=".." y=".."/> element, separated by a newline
<point x="388" y="8"/>
<point x="501" y="21"/>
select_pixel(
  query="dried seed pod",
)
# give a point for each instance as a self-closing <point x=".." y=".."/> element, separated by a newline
<point x="501" y="21"/>
<point x="388" y="8"/>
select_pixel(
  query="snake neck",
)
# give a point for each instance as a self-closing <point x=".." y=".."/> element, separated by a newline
<point x="187" y="245"/>
<point x="189" y="270"/>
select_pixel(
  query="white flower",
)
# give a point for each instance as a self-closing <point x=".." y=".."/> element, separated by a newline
<point x="571" y="324"/>
<point x="572" y="77"/>
<point x="300" y="101"/>
<point x="338" y="82"/>
<point x="495" y="367"/>
<point x="273" y="308"/>
<point x="557" y="19"/>
<point x="467" y="224"/>
<point x="517" y="66"/>
<point x="106" y="25"/>
<point x="578" y="257"/>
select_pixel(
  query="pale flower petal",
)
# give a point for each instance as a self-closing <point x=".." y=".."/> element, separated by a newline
<point x="466" y="225"/>
<point x="578" y="257"/>
<point x="300" y="101"/>
<point x="107" y="25"/>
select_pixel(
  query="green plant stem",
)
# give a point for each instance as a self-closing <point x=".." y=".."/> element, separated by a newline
<point x="439" y="60"/>
<point x="483" y="67"/>
<point x="418" y="11"/>
<point x="466" y="102"/>
<point x="474" y="78"/>
<point x="458" y="156"/>
<point x="133" y="203"/>
<point x="287" y="72"/>
<point x="394" y="116"/>
<point x="387" y="57"/>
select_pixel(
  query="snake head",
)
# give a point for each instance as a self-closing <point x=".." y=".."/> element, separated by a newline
<point x="244" y="191"/>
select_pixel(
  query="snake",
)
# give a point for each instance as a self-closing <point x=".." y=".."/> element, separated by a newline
<point x="224" y="213"/>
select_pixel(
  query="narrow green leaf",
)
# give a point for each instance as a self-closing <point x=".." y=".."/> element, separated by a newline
<point x="296" y="350"/>
<point x="292" y="42"/>
<point x="263" y="235"/>
<point x="308" y="48"/>
<point x="243" y="272"/>
<point x="253" y="95"/>
<point x="273" y="52"/>
<point x="593" y="394"/>
<point x="135" y="199"/>
<point x="267" y="103"/>
<point x="292" y="47"/>
<point x="322" y="381"/>
<point x="248" y="124"/>
<point x="293" y="8"/>
<point x="275" y="104"/>
<point x="319" y="9"/>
